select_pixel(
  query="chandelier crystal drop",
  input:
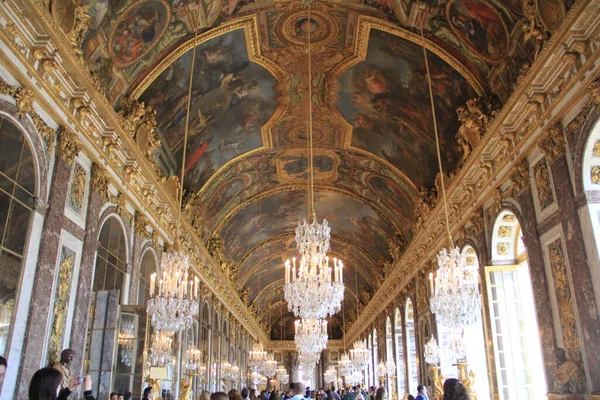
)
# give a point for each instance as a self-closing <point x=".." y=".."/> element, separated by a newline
<point x="330" y="375"/>
<point x="432" y="352"/>
<point x="270" y="366"/>
<point x="456" y="302"/>
<point x="345" y="366"/>
<point x="360" y="354"/>
<point x="310" y="335"/>
<point x="193" y="359"/>
<point x="313" y="239"/>
<point x="161" y="352"/>
<point x="308" y="362"/>
<point x="173" y="301"/>
<point x="257" y="357"/>
<point x="310" y="290"/>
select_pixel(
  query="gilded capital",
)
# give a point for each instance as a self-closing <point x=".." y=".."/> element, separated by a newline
<point x="552" y="142"/>
<point x="519" y="177"/>
<point x="100" y="180"/>
<point x="68" y="145"/>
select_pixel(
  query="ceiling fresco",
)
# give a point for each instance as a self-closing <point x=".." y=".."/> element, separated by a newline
<point x="348" y="218"/>
<point x="232" y="98"/>
<point x="386" y="99"/>
<point x="246" y="159"/>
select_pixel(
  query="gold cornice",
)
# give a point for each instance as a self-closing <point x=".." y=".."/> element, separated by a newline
<point x="296" y="188"/>
<point x="473" y="185"/>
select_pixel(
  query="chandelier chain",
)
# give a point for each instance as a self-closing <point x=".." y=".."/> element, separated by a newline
<point x="310" y="119"/>
<point x="437" y="138"/>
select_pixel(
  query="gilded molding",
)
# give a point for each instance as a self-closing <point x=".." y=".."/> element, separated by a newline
<point x="139" y="226"/>
<point x="78" y="186"/>
<point x="61" y="305"/>
<point x="519" y="177"/>
<point x="100" y="181"/>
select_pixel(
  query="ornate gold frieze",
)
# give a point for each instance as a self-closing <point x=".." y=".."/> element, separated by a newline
<point x="475" y="116"/>
<point x="61" y="304"/>
<point x="552" y="142"/>
<point x="68" y="145"/>
<point x="594" y="92"/>
<point x="595" y="175"/>
<point x="543" y="185"/>
<point x="397" y="246"/>
<point x="78" y="186"/>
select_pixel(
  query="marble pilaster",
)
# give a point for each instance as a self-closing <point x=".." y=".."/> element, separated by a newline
<point x="579" y="272"/>
<point x="539" y="282"/>
<point x="39" y="309"/>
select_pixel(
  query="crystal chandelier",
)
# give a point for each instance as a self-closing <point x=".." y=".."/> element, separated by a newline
<point x="173" y="303"/>
<point x="193" y="360"/>
<point x="126" y="341"/>
<point x="270" y="366"/>
<point x="234" y="373"/>
<point x="225" y="369"/>
<point x="311" y="335"/>
<point x="257" y="357"/>
<point x="330" y="375"/>
<point x="381" y="370"/>
<point x="161" y="349"/>
<point x="282" y="375"/>
<point x="432" y="352"/>
<point x="357" y="377"/>
<point x="345" y="365"/>
<point x="308" y="362"/>
<point x="360" y="354"/>
<point x="390" y="367"/>
<point x="456" y="301"/>
<point x="311" y="291"/>
<point x="255" y="378"/>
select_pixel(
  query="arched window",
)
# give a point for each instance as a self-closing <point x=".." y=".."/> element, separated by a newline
<point x="204" y="342"/>
<point x="17" y="194"/>
<point x="474" y="336"/>
<point x="225" y="342"/>
<point x="389" y="351"/>
<point x="375" y="356"/>
<point x="411" y="346"/>
<point x="591" y="218"/>
<point x="399" y="353"/>
<point x="517" y="348"/>
<point x="370" y="363"/>
<point x="111" y="258"/>
<point x="215" y="346"/>
<point x="148" y="266"/>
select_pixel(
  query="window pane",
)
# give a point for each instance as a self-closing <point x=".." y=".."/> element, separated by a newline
<point x="16" y="232"/>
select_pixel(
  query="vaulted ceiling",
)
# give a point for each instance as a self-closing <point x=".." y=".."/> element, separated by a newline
<point x="246" y="161"/>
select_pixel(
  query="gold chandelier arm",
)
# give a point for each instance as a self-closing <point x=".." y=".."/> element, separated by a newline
<point x="437" y="139"/>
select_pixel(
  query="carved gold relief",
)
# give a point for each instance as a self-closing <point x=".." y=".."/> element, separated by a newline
<point x="595" y="175"/>
<point x="78" y="187"/>
<point x="519" y="177"/>
<point x="61" y="304"/>
<point x="543" y="184"/>
<point x="100" y="181"/>
<point x="565" y="303"/>
<point x="139" y="226"/>
<point x="502" y="249"/>
<point x="596" y="149"/>
<point x="594" y="90"/>
<point x="68" y="145"/>
<point x="83" y="21"/>
<point x="504" y="231"/>
<point x="552" y="142"/>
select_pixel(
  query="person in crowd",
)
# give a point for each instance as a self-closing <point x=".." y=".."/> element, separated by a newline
<point x="46" y="383"/>
<point x="3" y="366"/>
<point x="299" y="391"/>
<point x="422" y="389"/>
<point x="350" y="395"/>
<point x="358" y="393"/>
<point x="307" y="394"/>
<point x="204" y="395"/>
<point x="275" y="395"/>
<point x="219" y="396"/>
<point x="245" y="393"/>
<point x="252" y="395"/>
<point x="380" y="394"/>
<point x="234" y="395"/>
<point x="121" y="396"/>
<point x="127" y="395"/>
<point x="64" y="366"/>
<point x="148" y="393"/>
<point x="334" y="394"/>
<point x="454" y="390"/>
<point x="410" y="397"/>
<point x="263" y="395"/>
<point x="113" y="396"/>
